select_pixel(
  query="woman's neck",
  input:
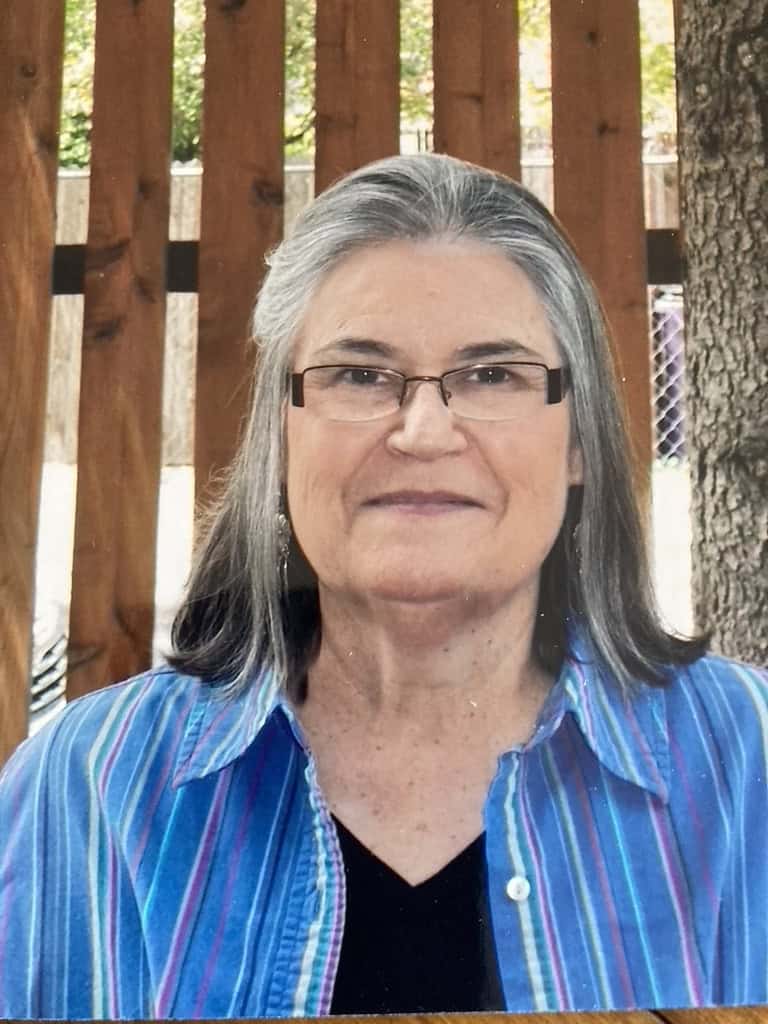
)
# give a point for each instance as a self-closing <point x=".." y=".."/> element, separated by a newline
<point x="430" y="667"/>
<point x="407" y="713"/>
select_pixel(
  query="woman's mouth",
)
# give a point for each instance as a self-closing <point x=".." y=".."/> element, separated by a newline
<point x="423" y="502"/>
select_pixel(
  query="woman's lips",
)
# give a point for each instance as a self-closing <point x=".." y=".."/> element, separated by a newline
<point x="423" y="502"/>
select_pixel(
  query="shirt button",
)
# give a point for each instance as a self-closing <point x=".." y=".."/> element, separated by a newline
<point x="518" y="888"/>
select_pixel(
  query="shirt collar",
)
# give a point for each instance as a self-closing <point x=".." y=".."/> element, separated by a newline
<point x="627" y="732"/>
<point x="222" y="726"/>
<point x="626" y="728"/>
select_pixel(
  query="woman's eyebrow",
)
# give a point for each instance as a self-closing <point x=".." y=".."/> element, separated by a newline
<point x="360" y="347"/>
<point x="492" y="349"/>
<point x="475" y="351"/>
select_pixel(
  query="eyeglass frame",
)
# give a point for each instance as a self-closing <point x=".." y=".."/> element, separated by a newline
<point x="558" y="380"/>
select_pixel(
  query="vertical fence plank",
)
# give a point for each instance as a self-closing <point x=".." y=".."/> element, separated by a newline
<point x="477" y="82"/>
<point x="357" y="86"/>
<point x="597" y="142"/>
<point x="119" y="446"/>
<point x="31" y="47"/>
<point x="242" y="211"/>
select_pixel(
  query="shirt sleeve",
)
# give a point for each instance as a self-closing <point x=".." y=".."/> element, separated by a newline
<point x="743" y="933"/>
<point x="50" y="963"/>
<point x="29" y="851"/>
<point x="84" y="807"/>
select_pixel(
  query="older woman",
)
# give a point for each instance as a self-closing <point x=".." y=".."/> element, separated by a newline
<point x="424" y="744"/>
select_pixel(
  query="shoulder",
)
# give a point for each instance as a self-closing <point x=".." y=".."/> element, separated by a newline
<point x="717" y="712"/>
<point x="110" y="730"/>
<point x="724" y="688"/>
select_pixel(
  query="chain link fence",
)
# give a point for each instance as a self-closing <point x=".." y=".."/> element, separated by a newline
<point x="668" y="372"/>
<point x="670" y="538"/>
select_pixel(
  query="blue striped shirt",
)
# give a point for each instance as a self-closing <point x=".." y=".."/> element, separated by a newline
<point x="166" y="852"/>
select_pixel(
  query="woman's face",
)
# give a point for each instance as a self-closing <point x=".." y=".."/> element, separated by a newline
<point x="422" y="505"/>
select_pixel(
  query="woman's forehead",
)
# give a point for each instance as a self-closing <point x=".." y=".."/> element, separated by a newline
<point x="439" y="296"/>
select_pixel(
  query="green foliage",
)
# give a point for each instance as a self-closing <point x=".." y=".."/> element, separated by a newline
<point x="188" y="65"/>
<point x="657" y="51"/>
<point x="74" y="142"/>
<point x="299" y="79"/>
<point x="659" y="88"/>
<point x="415" y="72"/>
<point x="416" y="80"/>
<point x="189" y="62"/>
<point x="535" y="87"/>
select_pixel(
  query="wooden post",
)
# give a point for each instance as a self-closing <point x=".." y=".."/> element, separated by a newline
<point x="242" y="212"/>
<point x="597" y="142"/>
<point x="477" y="82"/>
<point x="357" y="85"/>
<point x="119" y="446"/>
<point x="31" y="47"/>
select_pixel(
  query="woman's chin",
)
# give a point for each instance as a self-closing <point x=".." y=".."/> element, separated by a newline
<point x="416" y="585"/>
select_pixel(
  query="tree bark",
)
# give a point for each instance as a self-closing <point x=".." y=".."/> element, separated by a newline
<point x="723" y="112"/>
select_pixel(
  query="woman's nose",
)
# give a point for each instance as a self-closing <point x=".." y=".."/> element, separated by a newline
<point x="426" y="427"/>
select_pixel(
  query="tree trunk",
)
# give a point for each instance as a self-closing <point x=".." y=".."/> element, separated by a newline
<point x="723" y="110"/>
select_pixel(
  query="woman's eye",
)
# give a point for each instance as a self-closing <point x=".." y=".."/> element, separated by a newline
<point x="490" y="375"/>
<point x="360" y="376"/>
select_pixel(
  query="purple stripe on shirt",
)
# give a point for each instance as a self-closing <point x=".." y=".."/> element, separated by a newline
<point x="233" y="865"/>
<point x="192" y="897"/>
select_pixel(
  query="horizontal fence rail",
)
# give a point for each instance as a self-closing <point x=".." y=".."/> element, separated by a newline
<point x="662" y="249"/>
<point x="130" y="263"/>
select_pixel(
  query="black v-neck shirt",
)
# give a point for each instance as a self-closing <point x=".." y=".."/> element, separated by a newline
<point x="422" y="948"/>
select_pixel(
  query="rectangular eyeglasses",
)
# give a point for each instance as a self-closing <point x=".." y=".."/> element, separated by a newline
<point x="484" y="391"/>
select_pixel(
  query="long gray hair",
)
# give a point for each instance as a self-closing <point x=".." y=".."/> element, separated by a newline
<point x="239" y="616"/>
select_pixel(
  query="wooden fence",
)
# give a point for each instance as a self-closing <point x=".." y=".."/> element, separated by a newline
<point x="660" y="200"/>
<point x="126" y="264"/>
